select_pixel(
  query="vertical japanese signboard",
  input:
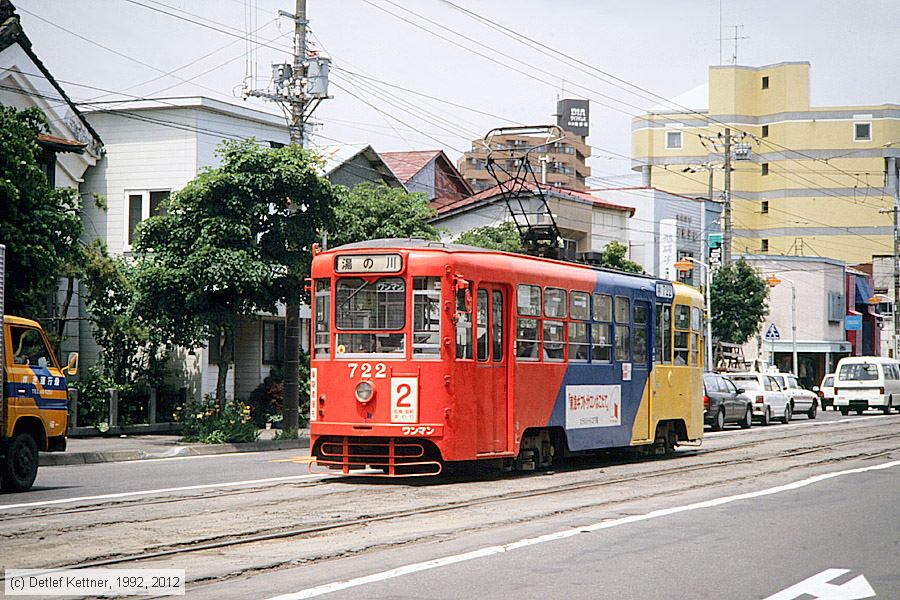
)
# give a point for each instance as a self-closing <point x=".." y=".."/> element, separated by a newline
<point x="668" y="249"/>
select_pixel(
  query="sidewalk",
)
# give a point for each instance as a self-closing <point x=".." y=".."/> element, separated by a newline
<point x="88" y="450"/>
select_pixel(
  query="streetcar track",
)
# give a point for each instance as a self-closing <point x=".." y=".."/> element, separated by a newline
<point x="219" y="542"/>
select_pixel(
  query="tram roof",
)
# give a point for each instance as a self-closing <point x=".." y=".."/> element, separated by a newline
<point x="423" y="244"/>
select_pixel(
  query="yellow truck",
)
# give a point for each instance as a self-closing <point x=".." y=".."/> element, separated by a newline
<point x="33" y="397"/>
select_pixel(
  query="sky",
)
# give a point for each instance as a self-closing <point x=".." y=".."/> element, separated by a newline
<point x="425" y="74"/>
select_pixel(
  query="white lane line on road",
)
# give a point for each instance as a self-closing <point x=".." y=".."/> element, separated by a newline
<point x="794" y="425"/>
<point x="161" y="491"/>
<point x="566" y="533"/>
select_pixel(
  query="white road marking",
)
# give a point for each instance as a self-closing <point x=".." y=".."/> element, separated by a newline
<point x="566" y="533"/>
<point x="160" y="491"/>
<point x="795" y="425"/>
<point x="819" y="587"/>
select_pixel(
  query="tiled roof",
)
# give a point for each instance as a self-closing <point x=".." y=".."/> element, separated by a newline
<point x="551" y="191"/>
<point x="60" y="144"/>
<point x="405" y="165"/>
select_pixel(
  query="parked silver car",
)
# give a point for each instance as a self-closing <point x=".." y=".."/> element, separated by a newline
<point x="802" y="399"/>
<point x="769" y="400"/>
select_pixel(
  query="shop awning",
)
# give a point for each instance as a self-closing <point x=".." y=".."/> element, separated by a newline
<point x="863" y="291"/>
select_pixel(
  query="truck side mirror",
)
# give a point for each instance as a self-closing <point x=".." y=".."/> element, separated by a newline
<point x="71" y="367"/>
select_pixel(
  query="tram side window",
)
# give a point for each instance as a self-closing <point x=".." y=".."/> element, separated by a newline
<point x="527" y="340"/>
<point x="427" y="317"/>
<point x="579" y="310"/>
<point x="322" y="346"/>
<point x="641" y="322"/>
<point x="663" y="333"/>
<point x="682" y="334"/>
<point x="528" y="303"/>
<point x="554" y="340"/>
<point x="623" y="331"/>
<point x="601" y="340"/>
<point x="696" y="356"/>
<point x="481" y="324"/>
<point x="555" y="303"/>
<point x="464" y="323"/>
<point x="497" y="324"/>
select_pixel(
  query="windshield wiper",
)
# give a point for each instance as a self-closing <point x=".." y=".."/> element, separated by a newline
<point x="351" y="296"/>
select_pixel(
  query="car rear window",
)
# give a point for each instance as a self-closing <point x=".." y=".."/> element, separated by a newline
<point x="858" y="372"/>
<point x="748" y="383"/>
<point x="828" y="381"/>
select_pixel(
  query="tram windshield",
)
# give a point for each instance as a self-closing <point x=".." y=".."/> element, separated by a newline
<point x="373" y="311"/>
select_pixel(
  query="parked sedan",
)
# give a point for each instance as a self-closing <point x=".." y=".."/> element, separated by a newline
<point x="802" y="400"/>
<point x="826" y="391"/>
<point x="724" y="402"/>
<point x="769" y="400"/>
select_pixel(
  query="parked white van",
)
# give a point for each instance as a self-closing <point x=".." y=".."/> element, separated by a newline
<point x="863" y="382"/>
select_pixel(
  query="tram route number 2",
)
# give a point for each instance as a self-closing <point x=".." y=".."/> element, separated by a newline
<point x="367" y="370"/>
<point x="404" y="399"/>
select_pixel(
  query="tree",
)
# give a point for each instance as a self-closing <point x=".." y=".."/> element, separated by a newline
<point x="234" y="242"/>
<point x="614" y="255"/>
<point x="738" y="301"/>
<point x="374" y="211"/>
<point x="504" y="237"/>
<point x="39" y="225"/>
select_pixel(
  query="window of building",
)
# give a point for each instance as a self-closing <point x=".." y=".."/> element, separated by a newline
<point x="764" y="245"/>
<point x="764" y="169"/>
<point x="273" y="342"/>
<point x="765" y="131"/>
<point x="765" y="82"/>
<point x="764" y="207"/>
<point x="673" y="140"/>
<point x="143" y="204"/>
<point x="862" y="132"/>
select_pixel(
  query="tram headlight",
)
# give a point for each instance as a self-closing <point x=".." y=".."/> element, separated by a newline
<point x="365" y="391"/>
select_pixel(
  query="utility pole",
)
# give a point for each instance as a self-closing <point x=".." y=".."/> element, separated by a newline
<point x="291" y="407"/>
<point x="299" y="86"/>
<point x="894" y="177"/>
<point x="726" y="225"/>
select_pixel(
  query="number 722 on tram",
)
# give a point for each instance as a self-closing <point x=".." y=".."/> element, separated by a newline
<point x="427" y="354"/>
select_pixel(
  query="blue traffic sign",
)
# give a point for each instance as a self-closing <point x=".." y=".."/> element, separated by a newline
<point x="853" y="322"/>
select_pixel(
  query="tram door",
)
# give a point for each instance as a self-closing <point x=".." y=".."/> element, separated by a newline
<point x="491" y="393"/>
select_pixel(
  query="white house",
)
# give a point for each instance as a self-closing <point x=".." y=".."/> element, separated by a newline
<point x="153" y="148"/>
<point x="71" y="146"/>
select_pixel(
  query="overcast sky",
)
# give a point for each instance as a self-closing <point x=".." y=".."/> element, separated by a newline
<point x="663" y="46"/>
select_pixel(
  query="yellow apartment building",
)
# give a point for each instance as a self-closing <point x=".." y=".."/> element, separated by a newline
<point x="807" y="181"/>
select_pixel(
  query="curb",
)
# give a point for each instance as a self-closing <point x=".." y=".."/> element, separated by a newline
<point x="54" y="459"/>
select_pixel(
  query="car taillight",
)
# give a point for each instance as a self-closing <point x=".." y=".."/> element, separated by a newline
<point x="881" y="390"/>
<point x="820" y="394"/>
<point x="760" y="399"/>
<point x="705" y="401"/>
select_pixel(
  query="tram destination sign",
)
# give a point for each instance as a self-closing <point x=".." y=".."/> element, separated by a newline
<point x="368" y="263"/>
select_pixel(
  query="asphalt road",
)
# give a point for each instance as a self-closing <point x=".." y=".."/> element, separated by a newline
<point x="79" y="481"/>
<point x="749" y="548"/>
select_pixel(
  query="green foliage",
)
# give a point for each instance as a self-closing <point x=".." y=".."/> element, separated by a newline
<point x="40" y="226"/>
<point x="132" y="351"/>
<point x="504" y="237"/>
<point x="614" y="256"/>
<point x="267" y="399"/>
<point x="738" y="300"/>
<point x="235" y="241"/>
<point x="373" y="211"/>
<point x="209" y="423"/>
<point x="287" y="434"/>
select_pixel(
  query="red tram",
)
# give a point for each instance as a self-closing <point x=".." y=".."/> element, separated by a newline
<point x="426" y="353"/>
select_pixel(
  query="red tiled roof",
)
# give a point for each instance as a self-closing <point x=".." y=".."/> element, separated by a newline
<point x="405" y="165"/>
<point x="495" y="191"/>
